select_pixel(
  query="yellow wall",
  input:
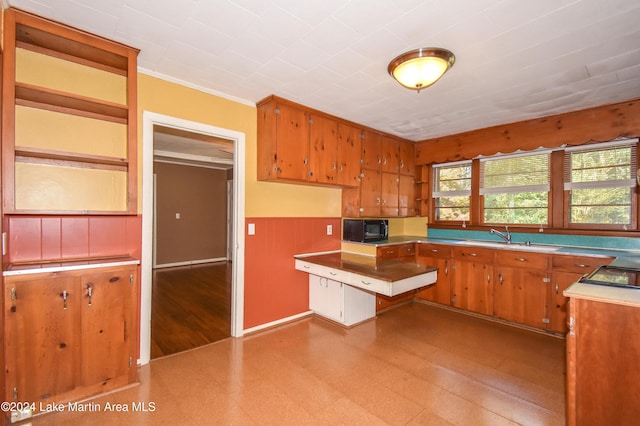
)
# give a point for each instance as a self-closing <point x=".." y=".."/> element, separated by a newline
<point x="263" y="199"/>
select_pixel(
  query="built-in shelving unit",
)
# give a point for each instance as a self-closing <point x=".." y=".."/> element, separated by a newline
<point x="68" y="134"/>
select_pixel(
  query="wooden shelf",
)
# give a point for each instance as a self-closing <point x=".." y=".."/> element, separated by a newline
<point x="71" y="159"/>
<point x="64" y="46"/>
<point x="54" y="100"/>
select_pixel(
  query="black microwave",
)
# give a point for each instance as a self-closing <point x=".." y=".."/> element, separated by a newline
<point x="365" y="230"/>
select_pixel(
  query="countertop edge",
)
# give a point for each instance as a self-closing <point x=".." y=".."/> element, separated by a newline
<point x="75" y="267"/>
<point x="605" y="294"/>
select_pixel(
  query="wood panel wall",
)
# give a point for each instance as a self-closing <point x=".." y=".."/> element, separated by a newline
<point x="598" y="124"/>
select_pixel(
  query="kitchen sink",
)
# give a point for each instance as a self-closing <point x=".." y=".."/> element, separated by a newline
<point x="540" y="248"/>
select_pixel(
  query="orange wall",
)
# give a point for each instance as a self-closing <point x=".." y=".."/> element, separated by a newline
<point x="67" y="237"/>
<point x="273" y="288"/>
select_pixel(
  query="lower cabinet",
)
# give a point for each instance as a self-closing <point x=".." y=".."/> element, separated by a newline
<point x="340" y="302"/>
<point x="520" y="288"/>
<point x="69" y="335"/>
<point x="471" y="279"/>
<point x="603" y="377"/>
<point x="566" y="270"/>
<point x="439" y="256"/>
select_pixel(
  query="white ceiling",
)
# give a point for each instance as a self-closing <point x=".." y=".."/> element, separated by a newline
<point x="515" y="59"/>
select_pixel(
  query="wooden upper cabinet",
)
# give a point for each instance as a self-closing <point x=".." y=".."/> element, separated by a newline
<point x="371" y="150"/>
<point x="407" y="164"/>
<point x="283" y="133"/>
<point x="389" y="194"/>
<point x="323" y="148"/>
<point x="390" y="155"/>
<point x="370" y="201"/>
<point x="69" y="120"/>
<point x="406" y="196"/>
<point x="300" y="145"/>
<point x="292" y="142"/>
<point x="349" y="150"/>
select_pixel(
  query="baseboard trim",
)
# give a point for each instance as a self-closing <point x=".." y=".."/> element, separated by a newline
<point x="276" y="323"/>
<point x="190" y="262"/>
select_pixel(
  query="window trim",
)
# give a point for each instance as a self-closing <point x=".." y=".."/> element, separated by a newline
<point x="558" y="198"/>
<point x="435" y="194"/>
<point x="633" y="184"/>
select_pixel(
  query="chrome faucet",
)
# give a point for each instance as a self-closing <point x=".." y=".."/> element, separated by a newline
<point x="506" y="236"/>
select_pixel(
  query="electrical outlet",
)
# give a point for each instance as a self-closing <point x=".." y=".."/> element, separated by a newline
<point x="329" y="229"/>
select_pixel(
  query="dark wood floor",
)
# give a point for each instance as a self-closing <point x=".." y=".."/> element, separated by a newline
<point x="191" y="307"/>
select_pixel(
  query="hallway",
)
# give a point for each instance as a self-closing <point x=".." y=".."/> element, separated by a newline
<point x="191" y="307"/>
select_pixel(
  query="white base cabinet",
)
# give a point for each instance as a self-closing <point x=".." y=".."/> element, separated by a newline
<point x="340" y="302"/>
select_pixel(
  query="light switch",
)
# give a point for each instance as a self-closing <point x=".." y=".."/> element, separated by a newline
<point x="251" y="229"/>
<point x="329" y="229"/>
<point x="177" y="215"/>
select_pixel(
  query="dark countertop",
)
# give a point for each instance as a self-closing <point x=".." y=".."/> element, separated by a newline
<point x="383" y="269"/>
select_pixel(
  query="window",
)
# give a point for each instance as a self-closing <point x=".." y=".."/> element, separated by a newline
<point x="452" y="191"/>
<point x="515" y="188"/>
<point x="600" y="180"/>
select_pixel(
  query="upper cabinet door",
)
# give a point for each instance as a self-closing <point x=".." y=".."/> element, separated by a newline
<point x="407" y="158"/>
<point x="349" y="151"/>
<point x="292" y="146"/>
<point x="371" y="150"/>
<point x="390" y="155"/>
<point x="323" y="149"/>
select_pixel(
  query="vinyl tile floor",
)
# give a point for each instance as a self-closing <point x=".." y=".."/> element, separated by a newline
<point x="414" y="364"/>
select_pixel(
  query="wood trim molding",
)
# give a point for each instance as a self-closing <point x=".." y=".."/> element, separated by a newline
<point x="592" y="125"/>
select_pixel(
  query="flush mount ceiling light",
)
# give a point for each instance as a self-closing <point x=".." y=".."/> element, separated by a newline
<point x="420" y="68"/>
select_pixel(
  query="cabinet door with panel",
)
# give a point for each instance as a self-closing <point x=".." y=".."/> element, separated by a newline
<point x="370" y="194"/>
<point x="520" y="287"/>
<point x="566" y="270"/>
<point x="292" y="146"/>
<point x="437" y="255"/>
<point x="389" y="194"/>
<point x="407" y="164"/>
<point x="471" y="279"/>
<point x="42" y="334"/>
<point x="371" y="157"/>
<point x="325" y="297"/>
<point x="406" y="196"/>
<point x="108" y="325"/>
<point x="323" y="150"/>
<point x="70" y="334"/>
<point x="390" y="155"/>
<point x="348" y="153"/>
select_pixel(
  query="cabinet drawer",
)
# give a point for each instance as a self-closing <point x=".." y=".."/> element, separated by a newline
<point x="577" y="264"/>
<point x="434" y="250"/>
<point x="396" y="250"/>
<point x="522" y="259"/>
<point x="473" y="254"/>
<point x="322" y="271"/>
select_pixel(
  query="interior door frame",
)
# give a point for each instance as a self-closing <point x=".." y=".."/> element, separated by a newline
<point x="150" y="119"/>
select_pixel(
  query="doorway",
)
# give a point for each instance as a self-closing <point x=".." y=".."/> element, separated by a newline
<point x="237" y="139"/>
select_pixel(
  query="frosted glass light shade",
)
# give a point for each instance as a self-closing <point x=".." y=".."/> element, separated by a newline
<point x="420" y="68"/>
